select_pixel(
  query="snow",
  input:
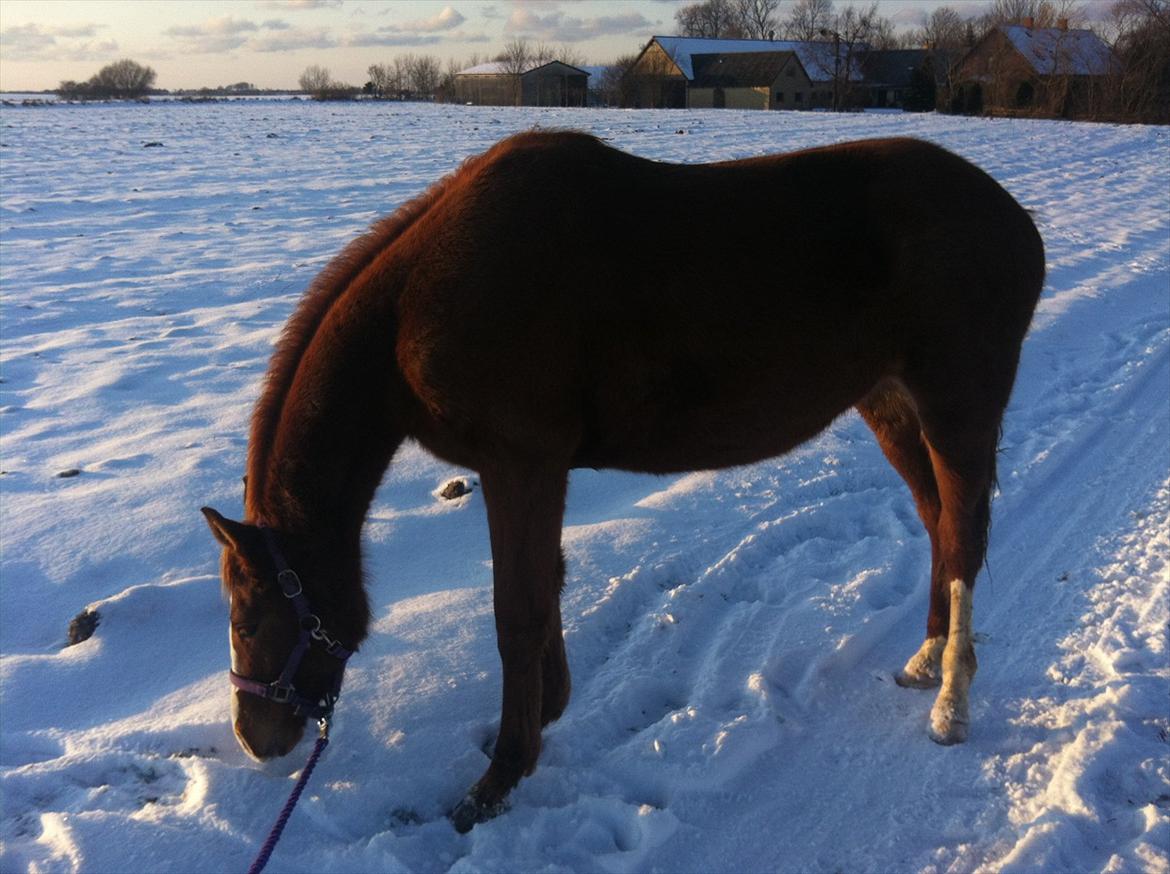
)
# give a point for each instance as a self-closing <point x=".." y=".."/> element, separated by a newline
<point x="732" y="634"/>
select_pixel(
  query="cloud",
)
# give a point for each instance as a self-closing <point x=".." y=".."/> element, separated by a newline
<point x="390" y="37"/>
<point x="447" y="19"/>
<point x="32" y="42"/>
<point x="558" y="27"/>
<point x="300" y="5"/>
<point x="213" y="36"/>
<point x="275" y="24"/>
<point x="293" y="39"/>
<point x="489" y="12"/>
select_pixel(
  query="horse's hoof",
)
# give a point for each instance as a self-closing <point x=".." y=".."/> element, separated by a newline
<point x="947" y="728"/>
<point x="470" y="812"/>
<point x="924" y="669"/>
<point x="908" y="680"/>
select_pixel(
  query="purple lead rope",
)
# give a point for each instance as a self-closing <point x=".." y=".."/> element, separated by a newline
<point x="278" y="827"/>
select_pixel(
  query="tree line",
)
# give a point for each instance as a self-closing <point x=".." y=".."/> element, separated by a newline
<point x="426" y="77"/>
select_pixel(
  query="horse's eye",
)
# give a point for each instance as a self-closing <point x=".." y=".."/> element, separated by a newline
<point x="244" y="630"/>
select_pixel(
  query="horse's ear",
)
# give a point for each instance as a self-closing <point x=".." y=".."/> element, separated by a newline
<point x="233" y="535"/>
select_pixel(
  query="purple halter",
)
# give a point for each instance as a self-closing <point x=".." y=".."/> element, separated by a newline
<point x="282" y="690"/>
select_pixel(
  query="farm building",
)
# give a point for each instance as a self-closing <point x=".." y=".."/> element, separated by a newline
<point x="1021" y="69"/>
<point x="749" y="80"/>
<point x="678" y="71"/>
<point x="543" y="84"/>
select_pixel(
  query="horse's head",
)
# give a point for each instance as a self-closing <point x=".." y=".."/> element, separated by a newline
<point x="285" y="666"/>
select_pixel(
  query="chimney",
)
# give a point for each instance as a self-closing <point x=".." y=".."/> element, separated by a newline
<point x="1029" y="22"/>
<point x="1062" y="23"/>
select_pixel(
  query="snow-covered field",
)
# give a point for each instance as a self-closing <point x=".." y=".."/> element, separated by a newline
<point x="731" y="634"/>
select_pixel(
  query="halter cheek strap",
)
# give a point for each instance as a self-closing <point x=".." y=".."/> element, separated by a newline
<point x="282" y="690"/>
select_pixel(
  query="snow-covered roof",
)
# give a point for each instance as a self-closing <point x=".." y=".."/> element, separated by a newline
<point x="1052" y="51"/>
<point x="817" y="58"/>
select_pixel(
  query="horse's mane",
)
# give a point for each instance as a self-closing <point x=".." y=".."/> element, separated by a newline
<point x="324" y="291"/>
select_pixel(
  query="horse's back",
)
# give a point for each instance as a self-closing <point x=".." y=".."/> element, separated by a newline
<point x="664" y="316"/>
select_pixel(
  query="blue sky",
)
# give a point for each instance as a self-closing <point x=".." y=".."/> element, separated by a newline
<point x="195" y="43"/>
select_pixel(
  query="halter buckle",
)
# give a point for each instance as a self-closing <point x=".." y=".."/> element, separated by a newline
<point x="289" y="583"/>
<point x="279" y="693"/>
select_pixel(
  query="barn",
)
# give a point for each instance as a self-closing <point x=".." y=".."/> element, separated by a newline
<point x="550" y="83"/>
<point x="679" y="72"/>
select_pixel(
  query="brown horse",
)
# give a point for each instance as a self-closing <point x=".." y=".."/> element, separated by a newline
<point x="555" y="304"/>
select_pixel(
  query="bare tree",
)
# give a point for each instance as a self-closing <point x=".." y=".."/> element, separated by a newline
<point x="317" y="82"/>
<point x="851" y="30"/>
<point x="425" y="75"/>
<point x="121" y="80"/>
<point x="757" y="18"/>
<point x="617" y="88"/>
<point x="315" y="79"/>
<point x="125" y="78"/>
<point x="516" y="56"/>
<point x="1139" y="87"/>
<point x="1042" y="14"/>
<point x="807" y="18"/>
<point x="944" y="30"/>
<point x="711" y="19"/>
<point x="400" y="79"/>
<point x="884" y="35"/>
<point x="566" y="54"/>
<point x="381" y="79"/>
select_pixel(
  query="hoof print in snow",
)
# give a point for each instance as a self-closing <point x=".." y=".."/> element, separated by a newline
<point x="67" y="474"/>
<point x="406" y="816"/>
<point x="83" y="626"/>
<point x="272" y="136"/>
<point x="456" y="488"/>
<point x="152" y="145"/>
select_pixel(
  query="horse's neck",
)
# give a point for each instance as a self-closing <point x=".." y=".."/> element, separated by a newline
<point x="335" y="435"/>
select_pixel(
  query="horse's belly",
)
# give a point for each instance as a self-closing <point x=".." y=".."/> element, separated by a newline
<point x="712" y="433"/>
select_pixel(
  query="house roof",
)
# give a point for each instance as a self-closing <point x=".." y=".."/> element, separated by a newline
<point x="817" y="58"/>
<point x="1052" y="51"/>
<point x="742" y="70"/>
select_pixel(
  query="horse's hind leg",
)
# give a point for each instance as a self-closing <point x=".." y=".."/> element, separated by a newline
<point x="890" y="412"/>
<point x="525" y="507"/>
<point x="962" y="452"/>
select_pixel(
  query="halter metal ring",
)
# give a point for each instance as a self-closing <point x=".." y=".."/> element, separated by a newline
<point x="290" y="583"/>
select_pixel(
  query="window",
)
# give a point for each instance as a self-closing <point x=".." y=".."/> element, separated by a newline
<point x="779" y="96"/>
<point x="798" y="97"/>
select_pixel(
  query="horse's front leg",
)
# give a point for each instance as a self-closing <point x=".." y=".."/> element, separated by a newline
<point x="525" y="508"/>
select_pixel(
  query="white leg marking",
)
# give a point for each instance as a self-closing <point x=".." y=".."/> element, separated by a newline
<point x="924" y="669"/>
<point x="950" y="717"/>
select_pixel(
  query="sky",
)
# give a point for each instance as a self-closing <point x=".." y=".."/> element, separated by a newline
<point x="207" y="43"/>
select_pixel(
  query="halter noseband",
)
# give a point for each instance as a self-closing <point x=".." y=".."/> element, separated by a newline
<point x="282" y="690"/>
